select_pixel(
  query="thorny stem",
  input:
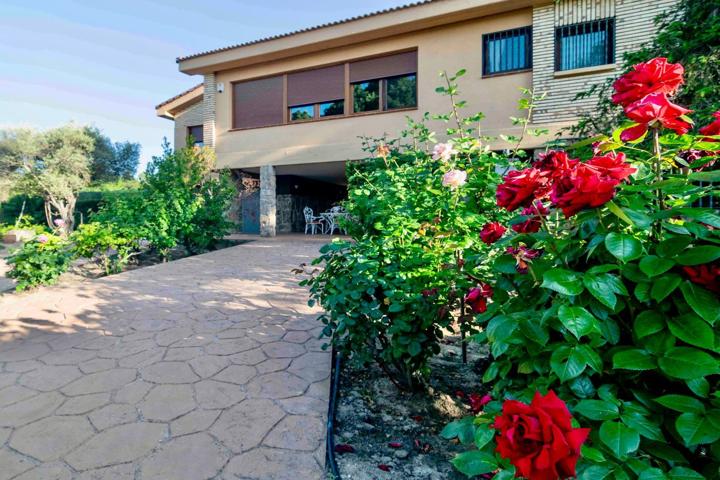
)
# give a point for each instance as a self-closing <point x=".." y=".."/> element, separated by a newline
<point x="546" y="226"/>
<point x="658" y="177"/>
<point x="455" y="112"/>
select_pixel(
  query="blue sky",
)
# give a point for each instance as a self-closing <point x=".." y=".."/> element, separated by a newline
<point x="108" y="63"/>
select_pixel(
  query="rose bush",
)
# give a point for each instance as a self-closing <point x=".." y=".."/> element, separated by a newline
<point x="612" y="302"/>
<point x="416" y="207"/>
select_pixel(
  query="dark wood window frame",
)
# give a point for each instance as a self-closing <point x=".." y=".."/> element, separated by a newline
<point x="603" y="24"/>
<point x="348" y="100"/>
<point x="504" y="34"/>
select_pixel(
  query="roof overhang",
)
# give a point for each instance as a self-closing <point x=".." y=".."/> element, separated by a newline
<point x="171" y="107"/>
<point x="385" y="24"/>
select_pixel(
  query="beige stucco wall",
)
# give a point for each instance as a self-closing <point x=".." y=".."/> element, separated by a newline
<point x="442" y="48"/>
<point x="187" y="118"/>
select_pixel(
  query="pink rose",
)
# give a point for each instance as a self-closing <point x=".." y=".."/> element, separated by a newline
<point x="443" y="151"/>
<point x="42" y="238"/>
<point x="59" y="222"/>
<point x="454" y="178"/>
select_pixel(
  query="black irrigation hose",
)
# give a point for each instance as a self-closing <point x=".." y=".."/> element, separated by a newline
<point x="330" y="462"/>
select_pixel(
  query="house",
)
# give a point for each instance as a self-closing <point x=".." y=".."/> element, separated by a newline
<point x="284" y="113"/>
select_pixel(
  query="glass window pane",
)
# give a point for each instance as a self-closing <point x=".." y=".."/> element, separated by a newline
<point x="303" y="112"/>
<point x="366" y="96"/>
<point x="328" y="109"/>
<point x="401" y="92"/>
<point x="506" y="51"/>
<point x="584" y="45"/>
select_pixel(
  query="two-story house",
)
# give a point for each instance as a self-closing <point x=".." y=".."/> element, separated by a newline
<point x="284" y="113"/>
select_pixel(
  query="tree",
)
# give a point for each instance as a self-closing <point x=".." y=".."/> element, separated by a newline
<point x="112" y="161"/>
<point x="54" y="164"/>
<point x="689" y="35"/>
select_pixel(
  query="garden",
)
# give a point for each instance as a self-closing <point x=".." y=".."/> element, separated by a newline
<point x="177" y="208"/>
<point x="541" y="316"/>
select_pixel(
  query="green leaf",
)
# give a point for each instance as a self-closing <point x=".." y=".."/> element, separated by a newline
<point x="673" y="246"/>
<point x="483" y="435"/>
<point x="695" y="429"/>
<point x="702" y="301"/>
<point x="577" y="320"/>
<point x="647" y="323"/>
<point x="681" y="403"/>
<point x="619" y="438"/>
<point x="653" y="265"/>
<point x="619" y="213"/>
<point x="474" y="463"/>
<point x="693" y="330"/>
<point x="592" y="454"/>
<point x="634" y="359"/>
<point x="664" y="286"/>
<point x="599" y="288"/>
<point x="643" y="425"/>
<point x="508" y="474"/>
<point x="567" y="363"/>
<point x="710" y="176"/>
<point x="462" y="429"/>
<point x="698" y="255"/>
<point x="687" y="363"/>
<point x="684" y="473"/>
<point x="563" y="281"/>
<point x="652" y="474"/>
<point x="597" y="409"/>
<point x="594" y="472"/>
<point x="699" y="386"/>
<point x="623" y="247"/>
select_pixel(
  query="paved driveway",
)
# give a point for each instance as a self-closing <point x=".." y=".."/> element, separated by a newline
<point x="203" y="368"/>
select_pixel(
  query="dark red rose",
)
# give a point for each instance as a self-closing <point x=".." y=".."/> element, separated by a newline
<point x="693" y="155"/>
<point x="707" y="275"/>
<point x="555" y="162"/>
<point x="384" y="468"/>
<point x="591" y="184"/>
<point x="654" y="76"/>
<point x="539" y="439"/>
<point x="477" y="402"/>
<point x="713" y="128"/>
<point x="477" y="297"/>
<point x="344" y="448"/>
<point x="533" y="223"/>
<point x="431" y="292"/>
<point x="613" y="165"/>
<point x="491" y="232"/>
<point x="655" y="109"/>
<point x="521" y="187"/>
<point x="523" y="256"/>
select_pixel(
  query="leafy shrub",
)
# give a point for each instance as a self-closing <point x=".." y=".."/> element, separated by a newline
<point x="389" y="292"/>
<point x="39" y="261"/>
<point x="111" y="246"/>
<point x="613" y="302"/>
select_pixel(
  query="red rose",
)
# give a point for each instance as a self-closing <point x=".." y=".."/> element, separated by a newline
<point x="654" y="76"/>
<point x="712" y="128"/>
<point x="477" y="402"/>
<point x="555" y="162"/>
<point x="691" y="156"/>
<point x="477" y="297"/>
<point x="539" y="438"/>
<point x="521" y="187"/>
<point x="590" y="184"/>
<point x="533" y="223"/>
<point x="652" y="110"/>
<point x="523" y="256"/>
<point x="707" y="275"/>
<point x="613" y="165"/>
<point x="491" y="232"/>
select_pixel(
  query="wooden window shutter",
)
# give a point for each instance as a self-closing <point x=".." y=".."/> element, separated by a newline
<point x="316" y="86"/>
<point x="258" y="103"/>
<point x="383" y="67"/>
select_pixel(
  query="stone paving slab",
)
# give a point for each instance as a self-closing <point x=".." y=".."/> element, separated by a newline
<point x="203" y="368"/>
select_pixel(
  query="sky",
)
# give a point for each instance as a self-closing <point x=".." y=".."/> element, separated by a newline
<point x="108" y="63"/>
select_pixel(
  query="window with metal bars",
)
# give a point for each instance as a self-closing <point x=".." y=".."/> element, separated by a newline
<point x="507" y="51"/>
<point x="584" y="45"/>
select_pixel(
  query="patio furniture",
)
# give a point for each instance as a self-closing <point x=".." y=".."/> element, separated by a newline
<point x="312" y="222"/>
<point x="331" y="218"/>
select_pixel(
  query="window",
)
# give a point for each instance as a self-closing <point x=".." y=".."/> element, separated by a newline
<point x="384" y="83"/>
<point x="366" y="96"/>
<point x="302" y="113"/>
<point x="329" y="109"/>
<point x="507" y="51"/>
<point x="196" y="132"/>
<point x="585" y="44"/>
<point x="258" y="103"/>
<point x="401" y="92"/>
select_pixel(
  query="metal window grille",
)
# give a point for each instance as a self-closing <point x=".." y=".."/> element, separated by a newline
<point x="507" y="51"/>
<point x="710" y="201"/>
<point x="584" y="45"/>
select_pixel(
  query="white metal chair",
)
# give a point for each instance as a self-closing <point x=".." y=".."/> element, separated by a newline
<point x="312" y="222"/>
<point x="335" y="213"/>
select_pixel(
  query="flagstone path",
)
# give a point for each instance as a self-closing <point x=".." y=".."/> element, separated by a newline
<point x="203" y="368"/>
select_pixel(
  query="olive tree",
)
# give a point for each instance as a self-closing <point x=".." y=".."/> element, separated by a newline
<point x="54" y="164"/>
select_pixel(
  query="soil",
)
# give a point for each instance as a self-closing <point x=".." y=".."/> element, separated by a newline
<point x="401" y="430"/>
